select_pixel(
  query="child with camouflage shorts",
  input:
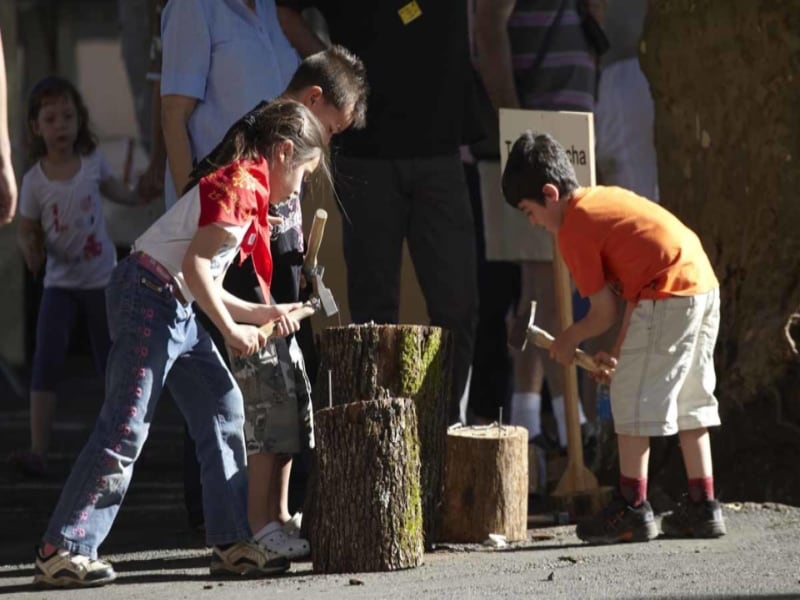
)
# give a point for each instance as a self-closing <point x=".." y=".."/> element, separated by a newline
<point x="616" y="243"/>
<point x="278" y="424"/>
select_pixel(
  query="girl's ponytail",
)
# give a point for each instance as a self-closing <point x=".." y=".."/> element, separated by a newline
<point x="259" y="132"/>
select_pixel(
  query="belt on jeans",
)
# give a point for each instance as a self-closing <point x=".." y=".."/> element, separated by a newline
<point x="160" y="271"/>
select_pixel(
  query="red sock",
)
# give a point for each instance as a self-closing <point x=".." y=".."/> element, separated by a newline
<point x="701" y="489"/>
<point x="633" y="490"/>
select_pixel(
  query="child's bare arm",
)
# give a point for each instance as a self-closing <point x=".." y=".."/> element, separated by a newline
<point x="623" y="331"/>
<point x="602" y="314"/>
<point x="196" y="267"/>
<point x="30" y="238"/>
<point x="255" y="313"/>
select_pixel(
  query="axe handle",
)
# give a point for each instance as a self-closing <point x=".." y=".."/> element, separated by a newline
<point x="315" y="239"/>
<point x="544" y="340"/>
<point x="298" y="313"/>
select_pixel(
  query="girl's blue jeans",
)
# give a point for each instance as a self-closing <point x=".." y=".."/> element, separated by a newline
<point x="156" y="341"/>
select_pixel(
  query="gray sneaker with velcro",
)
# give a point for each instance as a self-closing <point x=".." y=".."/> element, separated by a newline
<point x="695" y="520"/>
<point x="246" y="558"/>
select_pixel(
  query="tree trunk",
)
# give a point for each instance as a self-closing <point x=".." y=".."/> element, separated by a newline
<point x="486" y="484"/>
<point x="724" y="78"/>
<point x="395" y="361"/>
<point x="368" y="513"/>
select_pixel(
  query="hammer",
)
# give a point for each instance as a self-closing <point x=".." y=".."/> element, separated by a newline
<point x="321" y="299"/>
<point x="524" y="330"/>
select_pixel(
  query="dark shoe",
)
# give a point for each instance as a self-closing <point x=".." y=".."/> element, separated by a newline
<point x="619" y="522"/>
<point x="694" y="520"/>
<point x="28" y="464"/>
<point x="63" y="569"/>
<point x="247" y="559"/>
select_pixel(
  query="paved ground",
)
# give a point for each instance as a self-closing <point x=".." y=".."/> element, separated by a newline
<point x="760" y="558"/>
<point x="157" y="557"/>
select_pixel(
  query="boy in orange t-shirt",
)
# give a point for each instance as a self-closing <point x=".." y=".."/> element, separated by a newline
<point x="617" y="243"/>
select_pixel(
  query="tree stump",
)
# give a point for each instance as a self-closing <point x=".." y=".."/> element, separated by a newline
<point x="395" y="361"/>
<point x="486" y="483"/>
<point x="368" y="515"/>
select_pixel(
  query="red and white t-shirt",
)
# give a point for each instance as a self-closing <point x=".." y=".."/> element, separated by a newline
<point x="235" y="198"/>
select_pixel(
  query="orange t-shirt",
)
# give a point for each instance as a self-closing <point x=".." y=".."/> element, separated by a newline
<point x="610" y="235"/>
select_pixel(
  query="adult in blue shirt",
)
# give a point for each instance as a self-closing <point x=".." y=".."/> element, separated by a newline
<point x="220" y="58"/>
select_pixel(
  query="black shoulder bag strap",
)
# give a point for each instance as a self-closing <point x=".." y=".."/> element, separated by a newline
<point x="530" y="74"/>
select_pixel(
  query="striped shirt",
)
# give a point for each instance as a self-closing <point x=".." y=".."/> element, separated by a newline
<point x="565" y="79"/>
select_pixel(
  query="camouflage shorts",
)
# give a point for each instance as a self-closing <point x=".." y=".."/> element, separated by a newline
<point x="277" y="399"/>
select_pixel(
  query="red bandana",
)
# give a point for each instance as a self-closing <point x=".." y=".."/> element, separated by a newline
<point x="238" y="194"/>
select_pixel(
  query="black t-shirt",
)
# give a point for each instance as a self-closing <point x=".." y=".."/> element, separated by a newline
<point x="286" y="245"/>
<point x="417" y="60"/>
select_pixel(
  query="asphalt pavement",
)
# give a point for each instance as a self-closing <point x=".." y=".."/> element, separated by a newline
<point x="156" y="555"/>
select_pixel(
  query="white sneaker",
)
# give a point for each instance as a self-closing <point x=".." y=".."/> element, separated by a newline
<point x="290" y="547"/>
<point x="292" y="527"/>
<point x="64" y="569"/>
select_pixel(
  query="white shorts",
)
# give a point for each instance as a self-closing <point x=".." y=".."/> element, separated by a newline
<point x="664" y="381"/>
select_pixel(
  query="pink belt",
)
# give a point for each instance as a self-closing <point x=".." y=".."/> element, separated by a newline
<point x="157" y="269"/>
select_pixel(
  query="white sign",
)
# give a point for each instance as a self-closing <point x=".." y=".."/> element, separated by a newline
<point x="508" y="234"/>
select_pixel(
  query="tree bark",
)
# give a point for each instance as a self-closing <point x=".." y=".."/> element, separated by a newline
<point x="486" y="484"/>
<point x="724" y="78"/>
<point x="368" y="513"/>
<point x="395" y="361"/>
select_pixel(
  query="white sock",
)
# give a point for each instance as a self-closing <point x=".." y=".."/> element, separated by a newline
<point x="266" y="530"/>
<point x="526" y="409"/>
<point x="561" y="419"/>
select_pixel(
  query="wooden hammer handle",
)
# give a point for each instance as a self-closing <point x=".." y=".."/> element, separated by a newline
<point x="315" y="239"/>
<point x="298" y="313"/>
<point x="544" y="340"/>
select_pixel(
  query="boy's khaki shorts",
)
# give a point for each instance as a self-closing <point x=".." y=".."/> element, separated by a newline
<point x="664" y="381"/>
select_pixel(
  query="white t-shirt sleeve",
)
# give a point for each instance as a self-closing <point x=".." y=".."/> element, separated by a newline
<point x="29" y="202"/>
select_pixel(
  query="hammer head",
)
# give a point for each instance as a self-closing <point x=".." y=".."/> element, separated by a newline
<point x="518" y="336"/>
<point x="326" y="302"/>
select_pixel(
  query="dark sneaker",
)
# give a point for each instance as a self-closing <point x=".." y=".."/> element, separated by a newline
<point x="63" y="569"/>
<point x="619" y="522"/>
<point x="694" y="519"/>
<point x="248" y="559"/>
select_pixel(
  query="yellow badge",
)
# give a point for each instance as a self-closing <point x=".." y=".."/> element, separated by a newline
<point x="409" y="12"/>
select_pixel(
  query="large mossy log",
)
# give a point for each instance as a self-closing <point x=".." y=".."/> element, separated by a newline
<point x="368" y="515"/>
<point x="486" y="484"/>
<point x="367" y="362"/>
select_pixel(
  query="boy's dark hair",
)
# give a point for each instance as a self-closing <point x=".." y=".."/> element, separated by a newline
<point x="259" y="133"/>
<point x="536" y="159"/>
<point x="342" y="77"/>
<point x="55" y="87"/>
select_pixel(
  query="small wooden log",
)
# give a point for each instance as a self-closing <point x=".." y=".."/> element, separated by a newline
<point x="368" y="514"/>
<point x="371" y="361"/>
<point x="486" y="484"/>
